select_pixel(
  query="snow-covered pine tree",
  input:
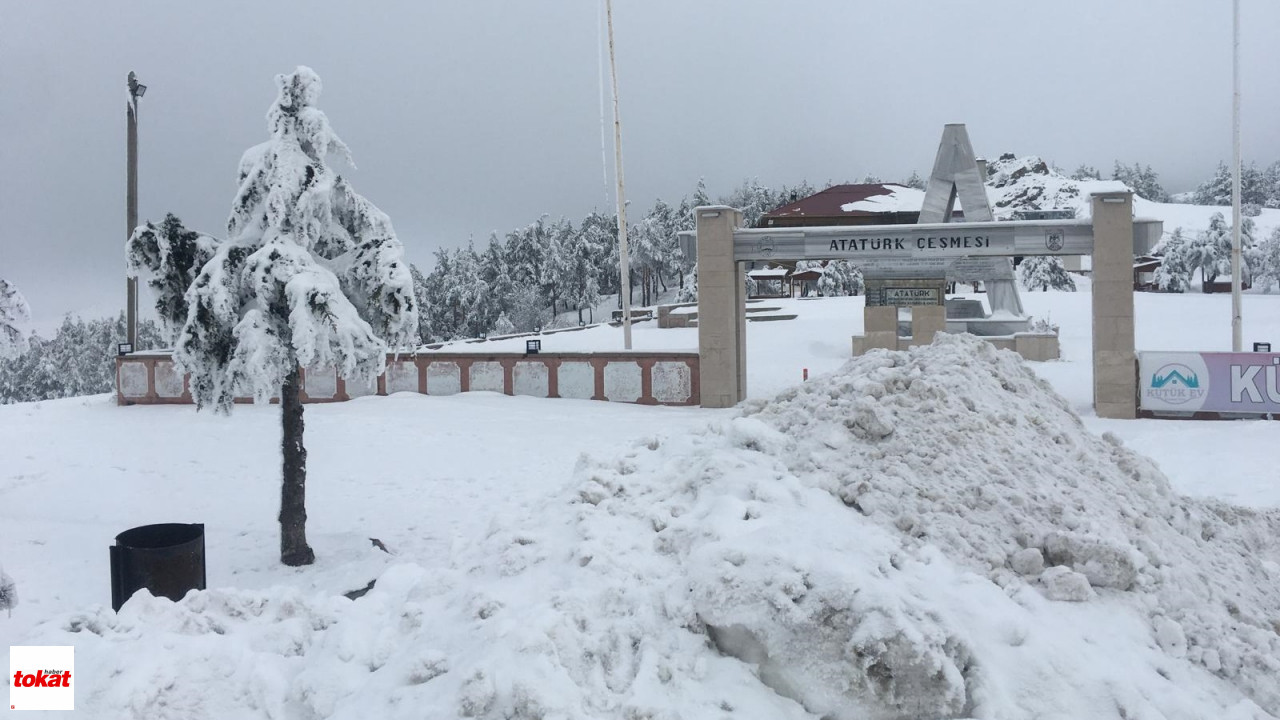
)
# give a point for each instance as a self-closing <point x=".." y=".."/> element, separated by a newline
<point x="8" y="593"/>
<point x="601" y="233"/>
<point x="168" y="256"/>
<point x="78" y="360"/>
<point x="915" y="181"/>
<point x="581" y="284"/>
<point x="14" y="312"/>
<point x="700" y="196"/>
<point x="1174" y="273"/>
<point x="1271" y="185"/>
<point x="555" y="262"/>
<point x="1204" y="251"/>
<point x="496" y="278"/>
<point x="442" y="320"/>
<point x="525" y="250"/>
<point x="1253" y="186"/>
<point x="1267" y="273"/>
<point x="503" y="326"/>
<point x="840" y="278"/>
<point x="1044" y="272"/>
<point x="420" y="296"/>
<point x="1216" y="190"/>
<point x="1086" y="172"/>
<point x="311" y="275"/>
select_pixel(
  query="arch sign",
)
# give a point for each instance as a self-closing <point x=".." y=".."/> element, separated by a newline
<point x="909" y="264"/>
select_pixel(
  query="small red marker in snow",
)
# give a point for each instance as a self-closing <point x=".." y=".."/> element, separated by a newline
<point x="806" y="373"/>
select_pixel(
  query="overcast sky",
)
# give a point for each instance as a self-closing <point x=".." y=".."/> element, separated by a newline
<point x="471" y="116"/>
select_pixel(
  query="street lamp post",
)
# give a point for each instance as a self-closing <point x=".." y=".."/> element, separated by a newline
<point x="136" y="90"/>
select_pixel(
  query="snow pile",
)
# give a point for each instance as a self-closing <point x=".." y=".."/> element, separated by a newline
<point x="924" y="534"/>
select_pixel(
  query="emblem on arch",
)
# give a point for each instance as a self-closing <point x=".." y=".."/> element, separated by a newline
<point x="1054" y="240"/>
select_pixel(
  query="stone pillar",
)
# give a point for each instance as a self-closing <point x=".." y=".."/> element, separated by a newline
<point x="1115" y="381"/>
<point x="926" y="322"/>
<point x="722" y="347"/>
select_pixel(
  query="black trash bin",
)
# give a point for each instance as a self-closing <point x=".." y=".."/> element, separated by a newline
<point x="166" y="559"/>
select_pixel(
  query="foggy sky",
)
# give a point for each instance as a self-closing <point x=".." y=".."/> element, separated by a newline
<point x="471" y="116"/>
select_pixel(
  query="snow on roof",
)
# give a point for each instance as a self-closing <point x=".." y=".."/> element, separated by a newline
<point x="769" y="273"/>
<point x="895" y="198"/>
<point x="863" y="199"/>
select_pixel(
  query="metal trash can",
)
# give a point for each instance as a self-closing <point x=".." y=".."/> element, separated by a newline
<point x="166" y="559"/>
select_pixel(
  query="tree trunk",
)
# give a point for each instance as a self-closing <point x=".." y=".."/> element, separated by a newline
<point x="293" y="491"/>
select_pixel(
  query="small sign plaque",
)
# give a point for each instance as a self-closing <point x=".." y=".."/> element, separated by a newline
<point x="906" y="297"/>
<point x="124" y="348"/>
<point x="1262" y="347"/>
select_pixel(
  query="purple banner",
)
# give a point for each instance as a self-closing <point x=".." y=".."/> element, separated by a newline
<point x="1209" y="382"/>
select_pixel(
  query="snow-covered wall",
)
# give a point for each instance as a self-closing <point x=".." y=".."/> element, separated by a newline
<point x="647" y="378"/>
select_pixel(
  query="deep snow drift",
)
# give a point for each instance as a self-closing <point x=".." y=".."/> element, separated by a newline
<point x="924" y="534"/>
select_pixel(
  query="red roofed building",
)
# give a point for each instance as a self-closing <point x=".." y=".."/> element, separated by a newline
<point x="869" y="204"/>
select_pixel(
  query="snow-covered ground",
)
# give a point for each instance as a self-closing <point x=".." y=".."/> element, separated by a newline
<point x="864" y="545"/>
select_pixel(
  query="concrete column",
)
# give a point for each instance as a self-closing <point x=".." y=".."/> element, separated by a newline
<point x="926" y="322"/>
<point x="722" y="336"/>
<point x="1115" y="381"/>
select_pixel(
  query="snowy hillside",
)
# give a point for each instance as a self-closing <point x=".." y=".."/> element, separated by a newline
<point x="1028" y="183"/>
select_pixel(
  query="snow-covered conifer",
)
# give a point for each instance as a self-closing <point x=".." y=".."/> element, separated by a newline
<point x="8" y="593"/>
<point x="420" y="295"/>
<point x="14" y="312"/>
<point x="311" y="274"/>
<point x="1216" y="190"/>
<point x="169" y="256"/>
<point x="915" y="181"/>
<point x="503" y="326"/>
<point x="1267" y="273"/>
<point x="1174" y="273"/>
<point x="840" y="278"/>
<point x="1044" y="272"/>
<point x="1086" y="172"/>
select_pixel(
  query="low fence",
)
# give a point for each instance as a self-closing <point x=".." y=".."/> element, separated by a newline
<point x="646" y="378"/>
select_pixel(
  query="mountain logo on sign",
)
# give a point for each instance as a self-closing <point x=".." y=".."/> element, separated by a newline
<point x="1174" y="377"/>
<point x="1175" y="384"/>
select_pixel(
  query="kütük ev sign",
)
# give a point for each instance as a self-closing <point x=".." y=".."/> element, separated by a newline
<point x="1209" y="382"/>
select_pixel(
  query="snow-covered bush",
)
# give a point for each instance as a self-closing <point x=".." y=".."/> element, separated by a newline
<point x="1044" y="272"/>
<point x="311" y="275"/>
<point x="689" y="288"/>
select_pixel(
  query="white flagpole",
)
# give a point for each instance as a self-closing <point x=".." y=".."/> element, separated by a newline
<point x="1237" y="321"/>
<point x="623" y="261"/>
<point x="604" y="161"/>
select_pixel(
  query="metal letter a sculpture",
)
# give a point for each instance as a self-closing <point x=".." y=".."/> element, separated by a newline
<point x="955" y="175"/>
